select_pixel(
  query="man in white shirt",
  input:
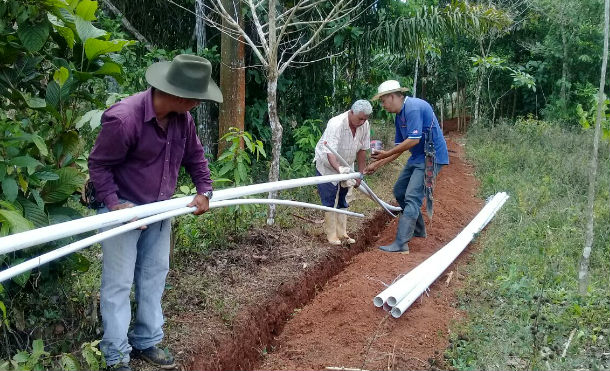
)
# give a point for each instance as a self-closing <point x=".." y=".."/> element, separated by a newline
<point x="349" y="135"/>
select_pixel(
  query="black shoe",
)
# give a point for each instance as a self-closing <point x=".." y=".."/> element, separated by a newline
<point x="119" y="367"/>
<point x="155" y="356"/>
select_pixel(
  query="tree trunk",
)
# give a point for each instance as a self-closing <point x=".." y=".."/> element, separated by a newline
<point x="564" y="68"/>
<point x="205" y="128"/>
<point x="477" y="95"/>
<point x="457" y="100"/>
<point x="442" y="112"/>
<point x="463" y="106"/>
<point x="415" y="77"/>
<point x="583" y="274"/>
<point x="232" y="80"/>
<point x="514" y="103"/>
<point x="274" y="119"/>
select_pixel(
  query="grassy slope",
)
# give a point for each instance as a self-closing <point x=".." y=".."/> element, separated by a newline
<point x="522" y="295"/>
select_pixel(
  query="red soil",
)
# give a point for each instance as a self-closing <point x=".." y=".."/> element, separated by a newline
<point x="309" y="305"/>
<point x="340" y="327"/>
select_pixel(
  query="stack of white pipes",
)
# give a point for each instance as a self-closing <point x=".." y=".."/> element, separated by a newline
<point x="401" y="294"/>
<point x="150" y="213"/>
<point x="54" y="232"/>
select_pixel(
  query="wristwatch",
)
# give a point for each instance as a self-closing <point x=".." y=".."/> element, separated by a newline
<point x="207" y="194"/>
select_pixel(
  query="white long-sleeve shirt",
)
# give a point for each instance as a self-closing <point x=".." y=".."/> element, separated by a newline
<point x="339" y="137"/>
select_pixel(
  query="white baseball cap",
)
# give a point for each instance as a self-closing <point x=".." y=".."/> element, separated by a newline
<point x="388" y="87"/>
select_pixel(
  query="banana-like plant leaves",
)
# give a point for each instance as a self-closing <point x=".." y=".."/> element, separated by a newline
<point x="33" y="35"/>
<point x="70" y="180"/>
<point x="16" y="222"/>
<point x="34" y="213"/>
<point x="86" y="10"/>
<point x="95" y="47"/>
<point x="85" y="30"/>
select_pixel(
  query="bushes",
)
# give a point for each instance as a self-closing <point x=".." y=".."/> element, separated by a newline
<point x="52" y="93"/>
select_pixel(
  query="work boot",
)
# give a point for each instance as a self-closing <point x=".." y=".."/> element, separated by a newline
<point x="155" y="356"/>
<point x="342" y="228"/>
<point x="420" y="227"/>
<point x="330" y="226"/>
<point x="406" y="227"/>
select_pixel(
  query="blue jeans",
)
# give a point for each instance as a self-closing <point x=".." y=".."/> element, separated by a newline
<point x="140" y="257"/>
<point x="328" y="194"/>
<point x="409" y="188"/>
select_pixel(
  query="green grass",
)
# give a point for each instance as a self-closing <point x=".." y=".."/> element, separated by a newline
<point x="522" y="292"/>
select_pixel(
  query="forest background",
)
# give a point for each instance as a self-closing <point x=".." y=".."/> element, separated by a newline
<point x="520" y="77"/>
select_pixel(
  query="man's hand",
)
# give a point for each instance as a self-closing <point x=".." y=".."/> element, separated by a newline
<point x="348" y="183"/>
<point x="126" y="205"/>
<point x="345" y="170"/>
<point x="371" y="168"/>
<point x="202" y="203"/>
<point x="379" y="154"/>
<point x="358" y="183"/>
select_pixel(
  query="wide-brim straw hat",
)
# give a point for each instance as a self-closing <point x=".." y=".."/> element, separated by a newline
<point x="388" y="87"/>
<point x="186" y="76"/>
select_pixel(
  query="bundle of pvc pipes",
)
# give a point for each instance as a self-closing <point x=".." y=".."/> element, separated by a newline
<point x="81" y="244"/>
<point x="401" y="294"/>
<point x="54" y="232"/>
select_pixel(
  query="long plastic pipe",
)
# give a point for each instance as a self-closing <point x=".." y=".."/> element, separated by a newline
<point x="401" y="289"/>
<point x="81" y="244"/>
<point x="53" y="232"/>
<point x="430" y="265"/>
<point x="444" y="257"/>
<point x="365" y="188"/>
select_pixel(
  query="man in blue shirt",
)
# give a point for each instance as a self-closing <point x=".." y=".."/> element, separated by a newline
<point x="418" y="131"/>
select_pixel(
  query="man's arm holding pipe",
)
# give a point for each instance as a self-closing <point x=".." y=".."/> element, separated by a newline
<point x="384" y="157"/>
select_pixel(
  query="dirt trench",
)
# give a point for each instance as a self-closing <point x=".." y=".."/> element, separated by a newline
<point x="323" y="316"/>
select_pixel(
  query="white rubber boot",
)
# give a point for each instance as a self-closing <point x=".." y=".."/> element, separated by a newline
<point x="330" y="226"/>
<point x="342" y="229"/>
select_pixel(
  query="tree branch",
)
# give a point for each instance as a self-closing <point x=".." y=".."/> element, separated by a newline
<point x="128" y="25"/>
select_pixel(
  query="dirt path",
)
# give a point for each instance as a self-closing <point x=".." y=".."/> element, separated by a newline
<point x="340" y="327"/>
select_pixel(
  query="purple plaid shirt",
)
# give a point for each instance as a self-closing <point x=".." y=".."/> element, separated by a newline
<point x="134" y="159"/>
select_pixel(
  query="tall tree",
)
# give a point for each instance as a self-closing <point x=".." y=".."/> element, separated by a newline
<point x="232" y="78"/>
<point x="284" y="34"/>
<point x="203" y="119"/>
<point x="583" y="274"/>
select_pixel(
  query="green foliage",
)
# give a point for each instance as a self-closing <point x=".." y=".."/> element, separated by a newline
<point x="587" y="118"/>
<point x="298" y="162"/>
<point x="522" y="291"/>
<point x="235" y="162"/>
<point x="54" y="62"/>
<point x="39" y="359"/>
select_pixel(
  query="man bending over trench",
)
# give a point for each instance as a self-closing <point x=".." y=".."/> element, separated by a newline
<point x="349" y="135"/>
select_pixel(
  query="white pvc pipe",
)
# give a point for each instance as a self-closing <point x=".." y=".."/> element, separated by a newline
<point x="394" y="289"/>
<point x="81" y="244"/>
<point x="443" y="258"/>
<point x="365" y="188"/>
<point x="430" y="265"/>
<point x="399" y="289"/>
<point x="56" y="231"/>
